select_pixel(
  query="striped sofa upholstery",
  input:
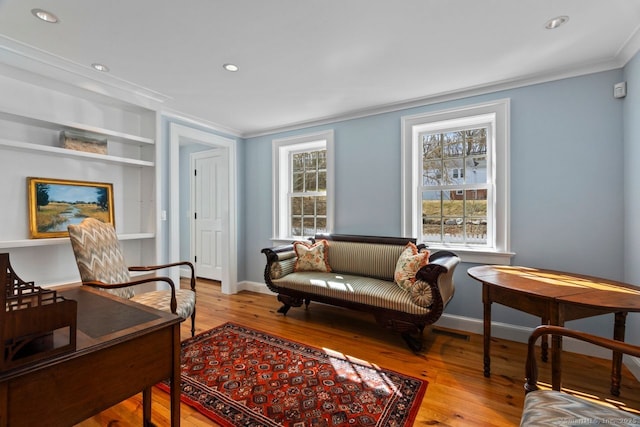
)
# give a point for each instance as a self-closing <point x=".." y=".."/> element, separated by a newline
<point x="361" y="277"/>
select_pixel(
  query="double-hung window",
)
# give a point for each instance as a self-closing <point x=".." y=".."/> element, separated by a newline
<point x="302" y="186"/>
<point x="455" y="179"/>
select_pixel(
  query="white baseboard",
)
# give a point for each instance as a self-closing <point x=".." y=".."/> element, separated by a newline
<point x="258" y="287"/>
<point x="499" y="330"/>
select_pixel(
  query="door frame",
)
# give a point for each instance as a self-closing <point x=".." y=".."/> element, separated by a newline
<point x="183" y="135"/>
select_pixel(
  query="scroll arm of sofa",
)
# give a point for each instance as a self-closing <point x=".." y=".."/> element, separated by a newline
<point x="280" y="260"/>
<point x="439" y="274"/>
<point x="278" y="253"/>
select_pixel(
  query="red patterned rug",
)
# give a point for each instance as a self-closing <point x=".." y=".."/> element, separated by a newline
<point x="239" y="376"/>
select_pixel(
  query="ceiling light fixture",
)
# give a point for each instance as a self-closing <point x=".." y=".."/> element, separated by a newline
<point x="554" y="23"/>
<point x="100" y="67"/>
<point x="45" y="16"/>
<point x="231" y="67"/>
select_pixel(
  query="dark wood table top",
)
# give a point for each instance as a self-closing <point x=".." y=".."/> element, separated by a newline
<point x="103" y="320"/>
<point x="571" y="288"/>
<point x="122" y="348"/>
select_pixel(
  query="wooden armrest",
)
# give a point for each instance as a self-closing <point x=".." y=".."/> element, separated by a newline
<point x="531" y="367"/>
<point x="438" y="274"/>
<point x="445" y="259"/>
<point x="173" y="264"/>
<point x="440" y="262"/>
<point x="439" y="255"/>
<point x="273" y="254"/>
<point x="174" y="301"/>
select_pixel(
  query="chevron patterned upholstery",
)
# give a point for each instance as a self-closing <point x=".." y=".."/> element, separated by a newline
<point x="98" y="255"/>
<point x="543" y="407"/>
<point x="101" y="264"/>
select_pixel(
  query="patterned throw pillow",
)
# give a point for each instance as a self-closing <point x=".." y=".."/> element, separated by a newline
<point x="420" y="294"/>
<point x="276" y="270"/>
<point x="408" y="264"/>
<point x="312" y="257"/>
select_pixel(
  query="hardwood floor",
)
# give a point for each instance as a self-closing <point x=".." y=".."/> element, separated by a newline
<point x="457" y="395"/>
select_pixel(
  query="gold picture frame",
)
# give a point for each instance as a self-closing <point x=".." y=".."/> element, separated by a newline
<point x="56" y="203"/>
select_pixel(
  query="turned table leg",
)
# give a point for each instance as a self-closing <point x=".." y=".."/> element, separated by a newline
<point x="544" y="345"/>
<point x="616" y="362"/>
<point x="486" y="300"/>
<point x="556" y="318"/>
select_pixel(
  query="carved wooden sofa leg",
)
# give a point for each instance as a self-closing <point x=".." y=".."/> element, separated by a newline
<point x="414" y="344"/>
<point x="288" y="302"/>
<point x="284" y="309"/>
<point x="410" y="332"/>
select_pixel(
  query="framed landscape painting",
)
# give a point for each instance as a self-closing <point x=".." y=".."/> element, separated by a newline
<point x="56" y="203"/>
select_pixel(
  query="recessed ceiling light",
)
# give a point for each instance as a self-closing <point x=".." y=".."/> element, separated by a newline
<point x="556" y="22"/>
<point x="231" y="67"/>
<point x="45" y="16"/>
<point x="100" y="67"/>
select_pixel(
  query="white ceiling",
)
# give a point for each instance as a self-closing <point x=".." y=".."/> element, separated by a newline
<point x="304" y="61"/>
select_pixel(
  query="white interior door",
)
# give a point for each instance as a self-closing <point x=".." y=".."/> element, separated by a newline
<point x="208" y="205"/>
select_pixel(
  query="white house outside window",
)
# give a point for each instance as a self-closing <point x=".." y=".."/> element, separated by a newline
<point x="454" y="202"/>
<point x="455" y="180"/>
<point x="302" y="186"/>
<point x="307" y="198"/>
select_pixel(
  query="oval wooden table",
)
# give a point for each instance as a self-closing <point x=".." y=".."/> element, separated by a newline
<point x="556" y="297"/>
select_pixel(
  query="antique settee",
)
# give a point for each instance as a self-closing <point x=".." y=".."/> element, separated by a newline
<point x="401" y="284"/>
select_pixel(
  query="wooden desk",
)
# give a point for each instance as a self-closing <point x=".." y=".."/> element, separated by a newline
<point x="556" y="297"/>
<point x="122" y="348"/>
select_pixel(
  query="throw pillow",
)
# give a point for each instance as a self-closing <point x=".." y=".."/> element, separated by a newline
<point x="410" y="261"/>
<point x="312" y="257"/>
<point x="420" y="294"/>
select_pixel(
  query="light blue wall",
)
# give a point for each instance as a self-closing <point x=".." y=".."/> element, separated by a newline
<point x="631" y="119"/>
<point x="567" y="209"/>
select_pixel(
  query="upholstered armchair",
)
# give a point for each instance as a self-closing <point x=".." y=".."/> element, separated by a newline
<point x="551" y="407"/>
<point x="101" y="265"/>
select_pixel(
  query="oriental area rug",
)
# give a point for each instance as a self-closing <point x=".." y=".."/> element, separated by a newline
<point x="239" y="376"/>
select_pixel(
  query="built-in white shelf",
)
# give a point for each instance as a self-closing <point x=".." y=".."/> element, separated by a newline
<point x="23" y="243"/>
<point x="32" y="118"/>
<point x="50" y="123"/>
<point x="27" y="146"/>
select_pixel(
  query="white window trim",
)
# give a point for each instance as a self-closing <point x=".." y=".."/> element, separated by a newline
<point x="281" y="148"/>
<point x="500" y="253"/>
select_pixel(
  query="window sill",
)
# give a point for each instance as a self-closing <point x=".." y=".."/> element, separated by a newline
<point x="476" y="256"/>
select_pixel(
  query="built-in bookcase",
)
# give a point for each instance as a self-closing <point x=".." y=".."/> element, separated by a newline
<point x="31" y="120"/>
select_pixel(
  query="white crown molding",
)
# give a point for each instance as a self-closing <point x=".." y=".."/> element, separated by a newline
<point x="24" y="62"/>
<point x="196" y="121"/>
<point x="55" y="70"/>
<point x="446" y="96"/>
<point x="629" y="48"/>
<point x="49" y="67"/>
